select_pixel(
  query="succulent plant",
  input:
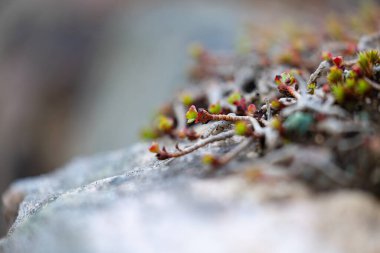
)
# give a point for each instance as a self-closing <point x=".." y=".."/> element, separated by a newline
<point x="307" y="103"/>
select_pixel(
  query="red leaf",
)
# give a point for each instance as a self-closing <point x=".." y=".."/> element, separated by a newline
<point x="338" y="61"/>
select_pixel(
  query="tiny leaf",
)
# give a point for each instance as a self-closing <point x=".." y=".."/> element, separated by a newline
<point x="186" y="99"/>
<point x="339" y="93"/>
<point x="326" y="56"/>
<point x="215" y="108"/>
<point x="234" y="97"/>
<point x="241" y="128"/>
<point x="165" y="123"/>
<point x="335" y="75"/>
<point x="191" y="114"/>
<point x="154" y="148"/>
<point x="338" y="60"/>
<point x="209" y="159"/>
<point x="251" y="109"/>
<point x="196" y="50"/>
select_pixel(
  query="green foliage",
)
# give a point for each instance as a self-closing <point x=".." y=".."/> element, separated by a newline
<point x="234" y="97"/>
<point x="148" y="133"/>
<point x="165" y="123"/>
<point x="191" y="114"/>
<point x="335" y="75"/>
<point x="338" y="92"/>
<point x="215" y="108"/>
<point x="351" y="74"/>
<point x="241" y="128"/>
<point x="311" y="88"/>
<point x="285" y="78"/>
<point x="350" y="83"/>
<point x="362" y="87"/>
<point x="276" y="123"/>
<point x="367" y="60"/>
<point x="351" y="88"/>
<point x="275" y="104"/>
<point x="208" y="159"/>
<point x="186" y="99"/>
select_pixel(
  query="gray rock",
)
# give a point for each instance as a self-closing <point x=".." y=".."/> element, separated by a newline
<point x="126" y="201"/>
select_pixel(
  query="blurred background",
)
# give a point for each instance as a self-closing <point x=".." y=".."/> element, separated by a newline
<point x="79" y="77"/>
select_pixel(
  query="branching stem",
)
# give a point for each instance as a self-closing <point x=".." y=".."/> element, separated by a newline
<point x="216" y="128"/>
<point x="162" y="155"/>
<point x="374" y="84"/>
<point x="204" y="117"/>
<point x="234" y="152"/>
<point x="322" y="68"/>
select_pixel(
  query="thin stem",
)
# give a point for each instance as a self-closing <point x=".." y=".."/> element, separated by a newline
<point x="232" y="118"/>
<point x="234" y="152"/>
<point x="287" y="101"/>
<point x="269" y="111"/>
<point x="204" y="116"/>
<point x="350" y="63"/>
<point x="301" y="83"/>
<point x="223" y="136"/>
<point x="289" y="91"/>
<point x="322" y="68"/>
<point x="216" y="128"/>
<point x="374" y="84"/>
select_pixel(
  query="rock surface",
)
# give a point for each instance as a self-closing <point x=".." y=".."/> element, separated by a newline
<point x="126" y="201"/>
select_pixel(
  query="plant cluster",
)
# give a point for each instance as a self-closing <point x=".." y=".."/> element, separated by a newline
<point x="267" y="107"/>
